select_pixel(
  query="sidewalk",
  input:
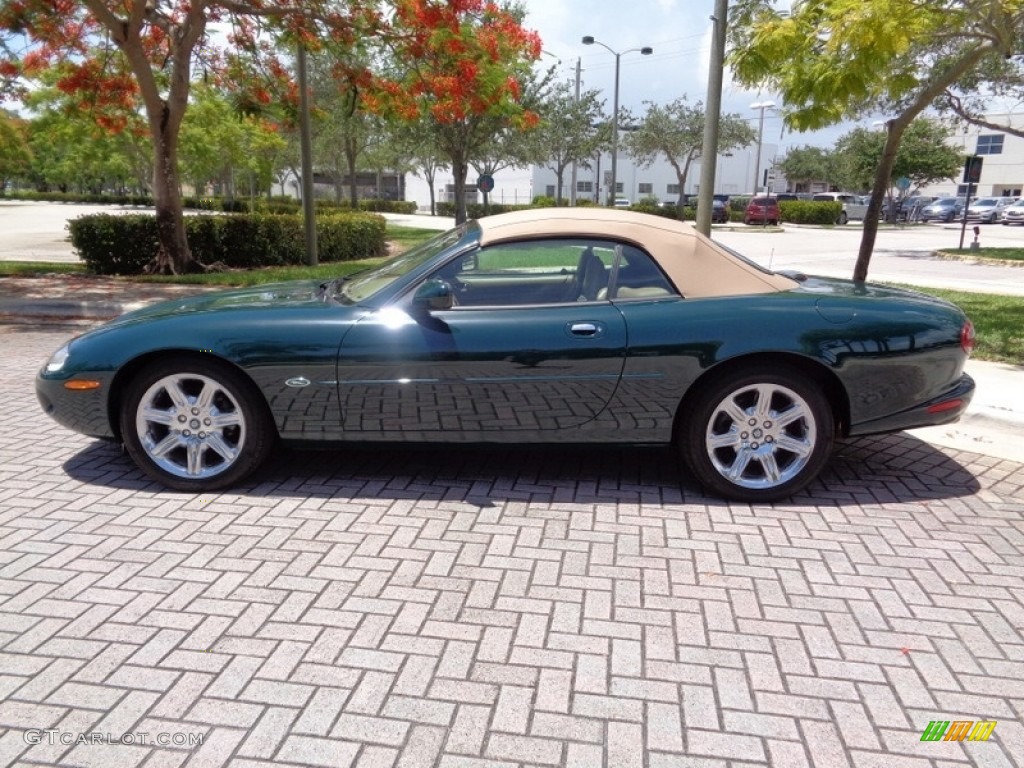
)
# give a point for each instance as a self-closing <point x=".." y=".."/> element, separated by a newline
<point x="993" y="425"/>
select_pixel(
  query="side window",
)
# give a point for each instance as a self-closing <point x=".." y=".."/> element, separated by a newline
<point x="549" y="271"/>
<point x="638" y="277"/>
<point x="553" y="271"/>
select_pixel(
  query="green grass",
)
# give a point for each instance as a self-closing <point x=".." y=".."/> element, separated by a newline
<point x="405" y="238"/>
<point x="34" y="268"/>
<point x="1003" y="254"/>
<point x="998" y="322"/>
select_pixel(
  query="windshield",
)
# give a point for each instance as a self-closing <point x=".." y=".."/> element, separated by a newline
<point x="370" y="282"/>
<point x="986" y="201"/>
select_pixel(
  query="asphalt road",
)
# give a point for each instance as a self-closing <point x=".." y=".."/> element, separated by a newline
<point x="37" y="231"/>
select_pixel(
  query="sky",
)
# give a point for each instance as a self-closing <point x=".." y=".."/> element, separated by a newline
<point x="679" y="31"/>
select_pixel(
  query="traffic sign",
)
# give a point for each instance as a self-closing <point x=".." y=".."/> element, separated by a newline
<point x="972" y="169"/>
<point x="485" y="183"/>
<point x="902" y="183"/>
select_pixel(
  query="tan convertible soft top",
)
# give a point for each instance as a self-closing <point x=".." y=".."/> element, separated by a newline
<point x="698" y="267"/>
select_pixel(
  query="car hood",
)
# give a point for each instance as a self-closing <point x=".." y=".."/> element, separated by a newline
<point x="310" y="294"/>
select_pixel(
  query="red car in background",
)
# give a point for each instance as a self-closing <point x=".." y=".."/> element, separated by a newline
<point x="762" y="210"/>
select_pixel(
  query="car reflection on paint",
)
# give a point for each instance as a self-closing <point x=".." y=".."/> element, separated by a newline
<point x="562" y="325"/>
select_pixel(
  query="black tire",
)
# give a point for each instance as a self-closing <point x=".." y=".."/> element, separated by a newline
<point x="195" y="425"/>
<point x="772" y="458"/>
<point x="843" y="218"/>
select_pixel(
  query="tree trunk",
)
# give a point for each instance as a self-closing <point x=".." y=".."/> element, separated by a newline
<point x="459" y="170"/>
<point x="883" y="176"/>
<point x="173" y="255"/>
<point x="559" y="173"/>
<point x="353" y="188"/>
<point x="430" y="175"/>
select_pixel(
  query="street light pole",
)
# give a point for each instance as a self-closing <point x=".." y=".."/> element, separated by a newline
<point x="645" y="51"/>
<point x="761" y="105"/>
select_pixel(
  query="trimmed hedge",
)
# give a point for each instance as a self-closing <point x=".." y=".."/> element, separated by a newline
<point x="476" y="210"/>
<point x="810" y="211"/>
<point x="124" y="245"/>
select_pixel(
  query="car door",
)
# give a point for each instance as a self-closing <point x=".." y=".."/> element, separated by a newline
<point x="530" y="344"/>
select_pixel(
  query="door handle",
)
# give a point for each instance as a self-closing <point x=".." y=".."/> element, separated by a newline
<point x="585" y="329"/>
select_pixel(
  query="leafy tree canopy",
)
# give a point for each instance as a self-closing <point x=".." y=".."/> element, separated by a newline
<point x="836" y="59"/>
<point x="676" y="132"/>
<point x="924" y="156"/>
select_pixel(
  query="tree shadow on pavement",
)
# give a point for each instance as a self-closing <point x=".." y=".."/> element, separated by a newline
<point x="882" y="469"/>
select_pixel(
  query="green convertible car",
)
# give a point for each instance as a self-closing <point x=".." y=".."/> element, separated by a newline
<point x="579" y="325"/>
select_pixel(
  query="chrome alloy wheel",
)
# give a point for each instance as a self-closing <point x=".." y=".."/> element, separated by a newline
<point x="761" y="436"/>
<point x="190" y="426"/>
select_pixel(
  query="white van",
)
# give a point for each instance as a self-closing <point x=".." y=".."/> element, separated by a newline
<point x="855" y="207"/>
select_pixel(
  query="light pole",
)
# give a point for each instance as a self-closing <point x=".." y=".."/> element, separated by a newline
<point x="761" y="105"/>
<point x="645" y="51"/>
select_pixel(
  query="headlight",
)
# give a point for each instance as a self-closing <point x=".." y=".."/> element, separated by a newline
<point x="57" y="359"/>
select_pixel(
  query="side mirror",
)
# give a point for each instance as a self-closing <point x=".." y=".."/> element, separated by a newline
<point x="434" y="294"/>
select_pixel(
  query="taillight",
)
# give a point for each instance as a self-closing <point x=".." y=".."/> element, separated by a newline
<point x="967" y="337"/>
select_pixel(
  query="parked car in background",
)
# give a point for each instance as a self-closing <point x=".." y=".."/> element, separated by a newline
<point x="907" y="208"/>
<point x="719" y="211"/>
<point x="1014" y="213"/>
<point x="762" y="210"/>
<point x="943" y="209"/>
<point x="555" y="325"/>
<point x="853" y="208"/>
<point x="988" y="210"/>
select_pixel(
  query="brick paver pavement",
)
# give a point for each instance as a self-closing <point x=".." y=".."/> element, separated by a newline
<point x="468" y="608"/>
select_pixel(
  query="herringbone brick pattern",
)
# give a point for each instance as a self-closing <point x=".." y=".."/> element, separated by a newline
<point x="471" y="608"/>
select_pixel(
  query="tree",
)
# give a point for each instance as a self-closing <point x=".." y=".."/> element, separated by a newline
<point x="971" y="98"/>
<point x="838" y="59"/>
<point x="424" y="156"/>
<point x="804" y="165"/>
<point x="117" y="54"/>
<point x="676" y="131"/>
<point x="466" y="63"/>
<point x="217" y="143"/>
<point x="924" y="156"/>
<point x="15" y="155"/>
<point x="570" y="131"/>
<point x="71" y="152"/>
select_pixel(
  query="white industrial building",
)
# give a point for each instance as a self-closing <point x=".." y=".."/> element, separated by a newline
<point x="1002" y="154"/>
<point x="734" y="175"/>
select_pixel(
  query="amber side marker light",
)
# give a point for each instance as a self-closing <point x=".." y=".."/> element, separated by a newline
<point x="82" y="384"/>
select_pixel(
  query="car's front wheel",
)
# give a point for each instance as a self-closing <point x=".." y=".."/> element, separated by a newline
<point x="195" y="425"/>
<point x="758" y="436"/>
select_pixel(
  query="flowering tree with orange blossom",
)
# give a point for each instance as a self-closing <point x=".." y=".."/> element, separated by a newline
<point x="119" y="56"/>
<point x="463" y="65"/>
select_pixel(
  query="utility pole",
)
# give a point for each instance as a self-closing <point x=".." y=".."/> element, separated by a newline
<point x="712" y="116"/>
<point x="572" y="188"/>
<point x="306" y="150"/>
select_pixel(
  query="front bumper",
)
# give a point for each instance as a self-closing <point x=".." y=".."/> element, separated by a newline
<point x="946" y="408"/>
<point x="80" y="411"/>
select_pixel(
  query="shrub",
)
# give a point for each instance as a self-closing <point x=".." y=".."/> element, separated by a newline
<point x="809" y="211"/>
<point x="124" y="245"/>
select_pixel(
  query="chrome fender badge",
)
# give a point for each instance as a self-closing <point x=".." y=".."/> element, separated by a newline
<point x="297" y="381"/>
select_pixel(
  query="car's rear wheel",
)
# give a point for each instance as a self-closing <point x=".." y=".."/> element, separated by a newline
<point x="843" y="218"/>
<point x="195" y="425"/>
<point x="759" y="435"/>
